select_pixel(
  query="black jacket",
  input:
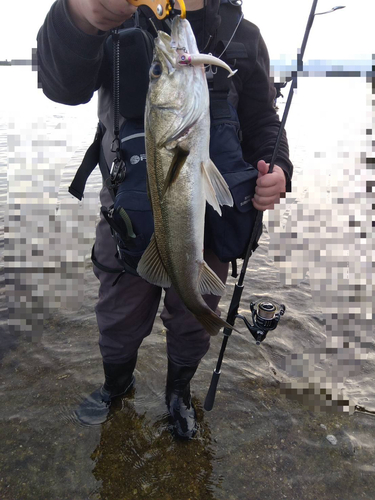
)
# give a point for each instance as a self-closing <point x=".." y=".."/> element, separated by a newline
<point x="70" y="65"/>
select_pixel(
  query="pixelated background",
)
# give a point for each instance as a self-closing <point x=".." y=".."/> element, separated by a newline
<point x="315" y="256"/>
<point x="321" y="234"/>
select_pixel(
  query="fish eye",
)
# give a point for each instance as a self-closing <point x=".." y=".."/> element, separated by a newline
<point x="156" y="70"/>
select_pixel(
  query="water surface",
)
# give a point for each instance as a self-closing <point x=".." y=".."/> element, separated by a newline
<point x="276" y="403"/>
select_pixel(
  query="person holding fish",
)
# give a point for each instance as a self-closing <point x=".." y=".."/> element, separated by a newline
<point x="192" y="116"/>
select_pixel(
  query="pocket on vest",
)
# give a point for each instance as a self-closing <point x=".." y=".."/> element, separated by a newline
<point x="228" y="235"/>
<point x="138" y="209"/>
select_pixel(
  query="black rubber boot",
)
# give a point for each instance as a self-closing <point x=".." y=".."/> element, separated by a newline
<point x="182" y="412"/>
<point x="119" y="380"/>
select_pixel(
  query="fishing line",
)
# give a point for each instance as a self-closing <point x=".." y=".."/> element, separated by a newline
<point x="205" y="26"/>
<point x="153" y="25"/>
<point x="227" y="45"/>
<point x="231" y="38"/>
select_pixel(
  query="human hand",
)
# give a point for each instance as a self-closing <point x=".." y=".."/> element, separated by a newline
<point x="270" y="187"/>
<point x="93" y="15"/>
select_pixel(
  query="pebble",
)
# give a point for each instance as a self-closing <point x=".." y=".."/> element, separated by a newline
<point x="323" y="426"/>
<point x="331" y="439"/>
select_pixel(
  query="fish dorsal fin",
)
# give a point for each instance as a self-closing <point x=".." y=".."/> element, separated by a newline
<point x="151" y="267"/>
<point x="216" y="189"/>
<point x="210" y="282"/>
<point x="175" y="168"/>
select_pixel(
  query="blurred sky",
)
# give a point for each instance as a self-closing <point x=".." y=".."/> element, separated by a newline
<point x="345" y="34"/>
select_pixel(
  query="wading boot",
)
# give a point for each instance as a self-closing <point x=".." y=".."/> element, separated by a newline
<point x="119" y="380"/>
<point x="182" y="412"/>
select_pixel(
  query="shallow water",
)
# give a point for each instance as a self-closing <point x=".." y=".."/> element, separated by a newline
<point x="265" y="436"/>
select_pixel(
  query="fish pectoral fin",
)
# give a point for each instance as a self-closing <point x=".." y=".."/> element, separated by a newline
<point x="178" y="162"/>
<point x="151" y="267"/>
<point x="209" y="191"/>
<point x="210" y="282"/>
<point x="223" y="195"/>
<point x="216" y="189"/>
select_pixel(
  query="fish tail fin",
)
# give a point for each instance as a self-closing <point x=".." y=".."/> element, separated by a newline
<point x="211" y="321"/>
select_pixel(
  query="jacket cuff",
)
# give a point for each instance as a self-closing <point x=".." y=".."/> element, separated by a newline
<point x="80" y="43"/>
<point x="287" y="168"/>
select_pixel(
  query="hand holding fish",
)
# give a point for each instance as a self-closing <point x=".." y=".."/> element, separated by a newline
<point x="269" y="188"/>
<point x="93" y="15"/>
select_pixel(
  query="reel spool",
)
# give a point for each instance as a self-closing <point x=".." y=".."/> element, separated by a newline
<point x="266" y="315"/>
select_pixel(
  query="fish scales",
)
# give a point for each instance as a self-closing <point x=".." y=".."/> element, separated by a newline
<point x="174" y="214"/>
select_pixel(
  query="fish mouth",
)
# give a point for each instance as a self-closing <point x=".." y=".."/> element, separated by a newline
<point x="182" y="36"/>
<point x="163" y="48"/>
<point x="180" y="48"/>
<point x="190" y="105"/>
<point x="181" y="39"/>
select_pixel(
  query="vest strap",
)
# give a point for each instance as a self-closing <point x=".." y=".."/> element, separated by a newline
<point x="89" y="162"/>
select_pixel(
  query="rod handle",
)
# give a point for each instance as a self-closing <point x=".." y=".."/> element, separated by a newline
<point x="210" y="398"/>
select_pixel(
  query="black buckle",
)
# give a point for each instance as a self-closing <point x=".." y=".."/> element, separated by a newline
<point x="118" y="172"/>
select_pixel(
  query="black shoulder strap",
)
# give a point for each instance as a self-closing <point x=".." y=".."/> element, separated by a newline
<point x="218" y="81"/>
<point x="88" y="164"/>
<point x="231" y="15"/>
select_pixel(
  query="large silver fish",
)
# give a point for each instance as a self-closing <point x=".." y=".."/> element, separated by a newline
<point x="181" y="176"/>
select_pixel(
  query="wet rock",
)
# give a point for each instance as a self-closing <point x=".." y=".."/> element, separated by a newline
<point x="348" y="444"/>
<point x="331" y="438"/>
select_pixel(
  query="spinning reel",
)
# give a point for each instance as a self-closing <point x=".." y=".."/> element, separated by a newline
<point x="265" y="316"/>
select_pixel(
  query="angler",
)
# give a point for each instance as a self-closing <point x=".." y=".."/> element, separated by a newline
<point x="107" y="46"/>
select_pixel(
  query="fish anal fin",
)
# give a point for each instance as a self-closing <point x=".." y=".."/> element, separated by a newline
<point x="210" y="282"/>
<point x="178" y="162"/>
<point x="219" y="184"/>
<point x="151" y="267"/>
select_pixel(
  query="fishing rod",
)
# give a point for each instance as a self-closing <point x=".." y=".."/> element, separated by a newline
<point x="265" y="314"/>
